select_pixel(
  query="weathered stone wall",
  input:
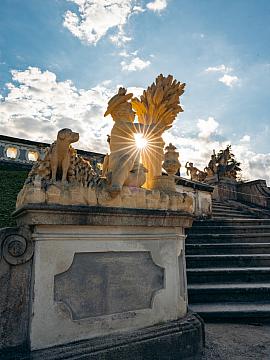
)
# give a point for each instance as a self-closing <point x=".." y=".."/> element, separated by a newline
<point x="16" y="252"/>
<point x="201" y="193"/>
<point x="254" y="192"/>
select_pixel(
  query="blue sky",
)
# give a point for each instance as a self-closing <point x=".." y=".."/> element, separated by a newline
<point x="61" y="60"/>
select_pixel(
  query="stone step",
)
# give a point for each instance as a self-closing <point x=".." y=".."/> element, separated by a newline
<point x="227" y="207"/>
<point x="228" y="264"/>
<point x="228" y="275"/>
<point x="243" y="292"/>
<point x="229" y="311"/>
<point x="231" y="216"/>
<point x="229" y="211"/>
<point x="225" y="248"/>
<point x="209" y="238"/>
<point x="148" y="343"/>
<point x="231" y="222"/>
<point x="230" y="229"/>
<point x="203" y="261"/>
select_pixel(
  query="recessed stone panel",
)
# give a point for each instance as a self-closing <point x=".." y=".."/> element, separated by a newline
<point x="104" y="283"/>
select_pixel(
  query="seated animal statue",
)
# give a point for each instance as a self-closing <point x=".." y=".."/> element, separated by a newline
<point x="61" y="161"/>
<point x="60" y="153"/>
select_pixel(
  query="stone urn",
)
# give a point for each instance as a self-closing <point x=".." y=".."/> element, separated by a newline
<point x="171" y="163"/>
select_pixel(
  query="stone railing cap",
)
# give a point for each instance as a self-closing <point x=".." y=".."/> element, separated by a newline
<point x="36" y="214"/>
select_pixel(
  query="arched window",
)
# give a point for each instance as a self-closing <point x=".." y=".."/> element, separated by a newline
<point x="32" y="155"/>
<point x="12" y="152"/>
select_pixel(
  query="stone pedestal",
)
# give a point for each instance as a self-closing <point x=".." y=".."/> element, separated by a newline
<point x="107" y="273"/>
<point x="201" y="193"/>
<point x="224" y="188"/>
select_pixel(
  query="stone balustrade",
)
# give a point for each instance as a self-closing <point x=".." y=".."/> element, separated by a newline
<point x="25" y="152"/>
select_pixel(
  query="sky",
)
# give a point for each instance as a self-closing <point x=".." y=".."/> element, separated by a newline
<point x="61" y="60"/>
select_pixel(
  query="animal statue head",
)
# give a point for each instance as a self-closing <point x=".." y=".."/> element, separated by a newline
<point x="67" y="136"/>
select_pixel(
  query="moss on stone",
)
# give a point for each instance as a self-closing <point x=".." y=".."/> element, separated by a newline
<point x="11" y="182"/>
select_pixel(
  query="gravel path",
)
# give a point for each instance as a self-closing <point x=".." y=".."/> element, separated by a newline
<point x="237" y="342"/>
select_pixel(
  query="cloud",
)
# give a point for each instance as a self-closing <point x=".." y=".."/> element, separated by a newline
<point x="96" y="17"/>
<point x="207" y="127"/>
<point x="120" y="38"/>
<point x="157" y="5"/>
<point x="135" y="64"/>
<point x="220" y="68"/>
<point x="259" y="166"/>
<point x="138" y="9"/>
<point x="229" y="80"/>
<point x="226" y="79"/>
<point x="37" y="106"/>
<point x="198" y="147"/>
<point x="245" y="138"/>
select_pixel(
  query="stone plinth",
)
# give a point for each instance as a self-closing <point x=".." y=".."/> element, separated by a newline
<point x="98" y="272"/>
<point x="224" y="188"/>
<point x="201" y="194"/>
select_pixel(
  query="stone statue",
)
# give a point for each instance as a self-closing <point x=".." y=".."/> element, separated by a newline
<point x="222" y="165"/>
<point x="61" y="162"/>
<point x="131" y="174"/>
<point x="195" y="173"/>
<point x="156" y="110"/>
<point x="227" y="165"/>
<point x="123" y="153"/>
<point x="61" y="153"/>
<point x="212" y="169"/>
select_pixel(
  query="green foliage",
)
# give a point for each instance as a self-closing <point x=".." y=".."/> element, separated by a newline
<point x="11" y="182"/>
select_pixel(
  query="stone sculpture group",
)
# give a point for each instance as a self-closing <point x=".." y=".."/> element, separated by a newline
<point x="132" y="176"/>
<point x="221" y="166"/>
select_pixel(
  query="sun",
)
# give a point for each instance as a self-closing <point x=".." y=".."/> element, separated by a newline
<point x="140" y="141"/>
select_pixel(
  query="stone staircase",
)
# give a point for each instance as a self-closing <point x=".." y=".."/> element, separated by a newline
<point x="228" y="264"/>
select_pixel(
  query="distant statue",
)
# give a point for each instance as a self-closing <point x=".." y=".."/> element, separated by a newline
<point x="195" y="173"/>
<point x="212" y="168"/>
<point x="223" y="165"/>
<point x="227" y="165"/>
<point x="222" y="160"/>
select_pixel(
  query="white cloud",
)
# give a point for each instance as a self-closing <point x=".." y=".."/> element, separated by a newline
<point x="245" y="139"/>
<point x="226" y="79"/>
<point x="207" y="127"/>
<point x="138" y="9"/>
<point x="229" y="80"/>
<point x="198" y="149"/>
<point x="97" y="17"/>
<point x="37" y="106"/>
<point x="220" y="68"/>
<point x="157" y="5"/>
<point x="135" y="64"/>
<point x="124" y="54"/>
<point x="120" y="38"/>
<point x="135" y="90"/>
